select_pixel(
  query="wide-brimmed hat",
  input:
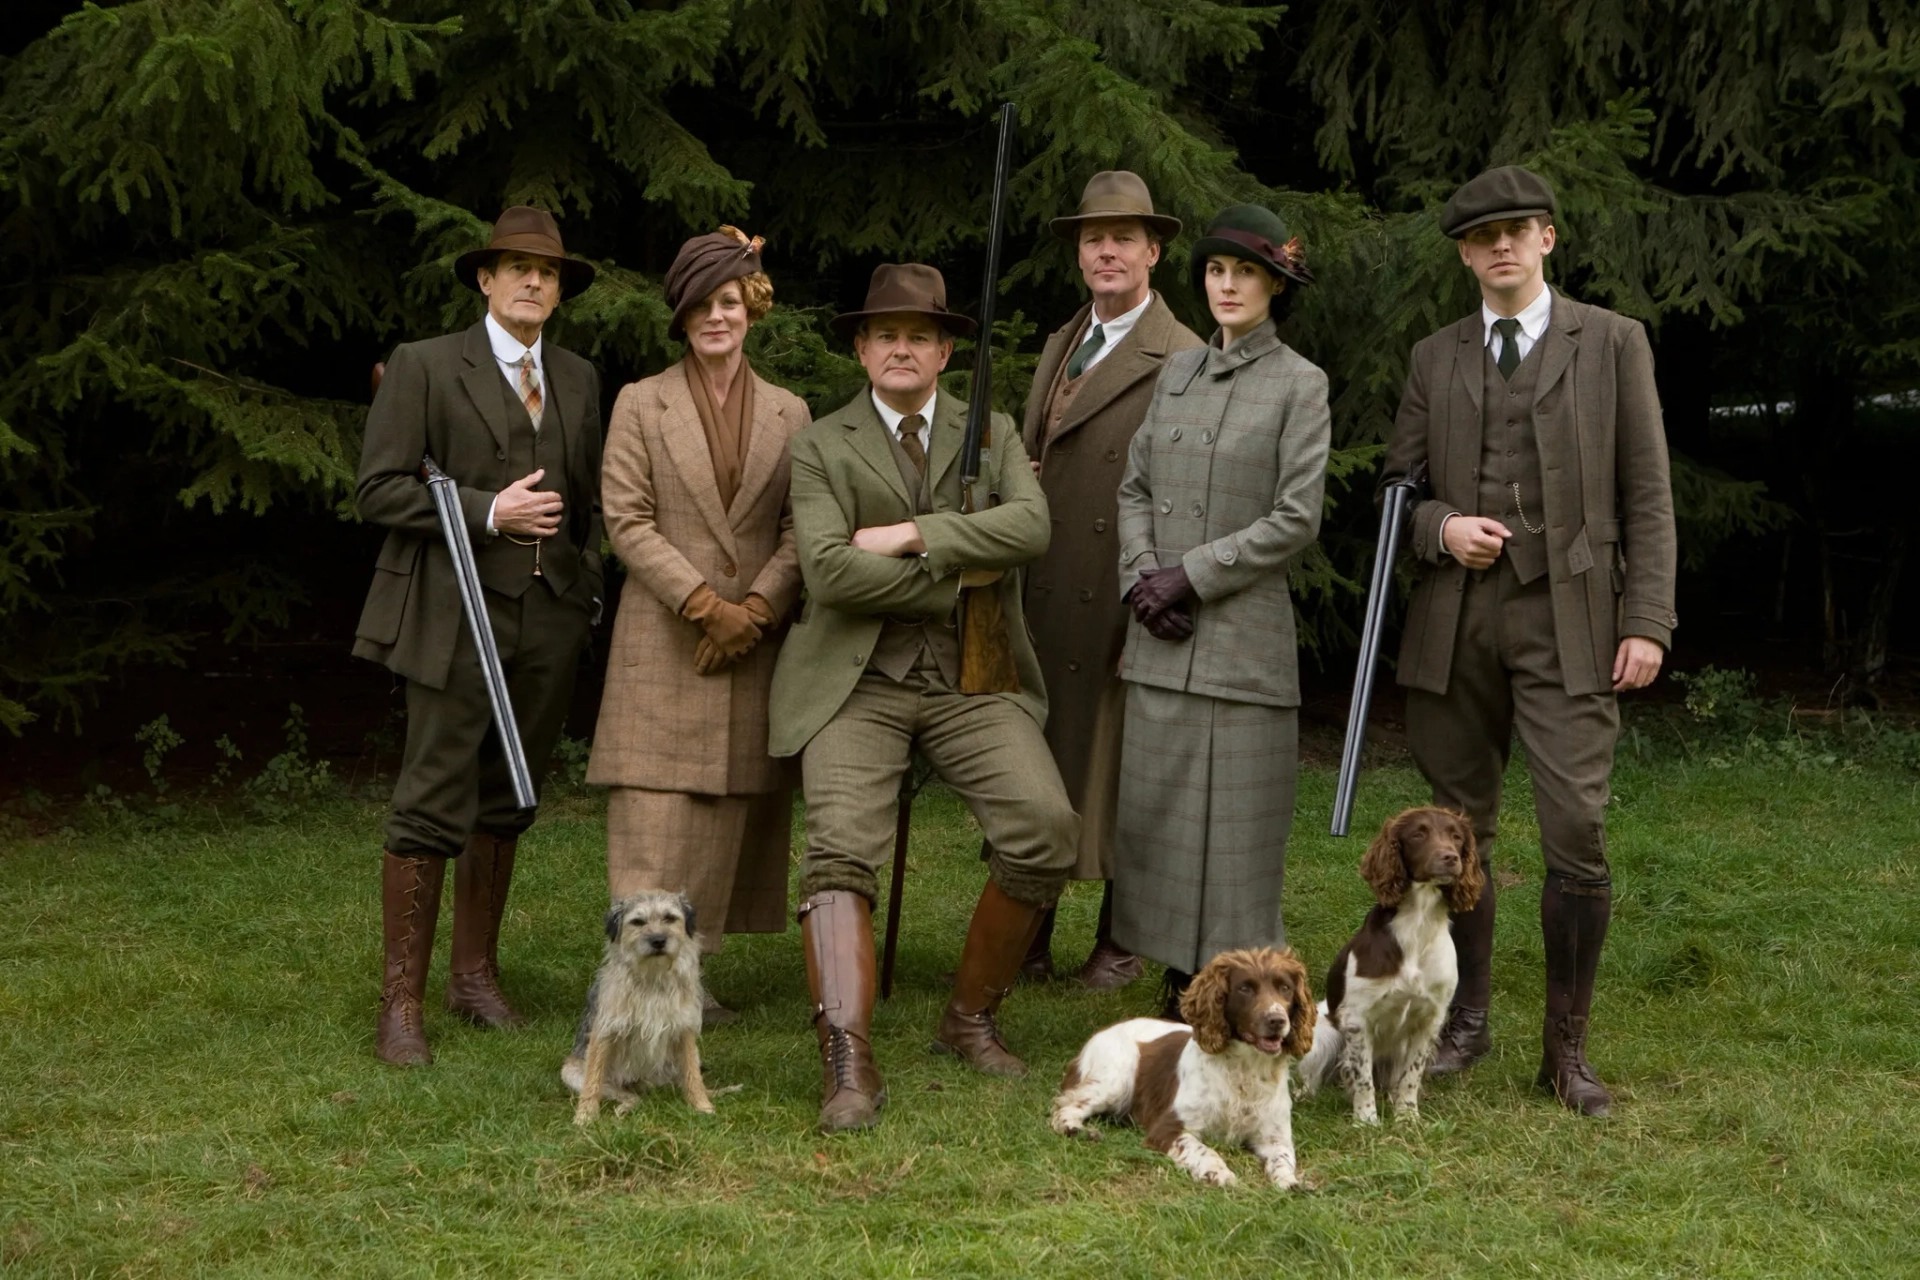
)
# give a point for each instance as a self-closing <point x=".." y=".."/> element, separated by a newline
<point x="1252" y="232"/>
<point x="1116" y="193"/>
<point x="703" y="264"/>
<point x="526" y="230"/>
<point x="1496" y="195"/>
<point x="906" y="286"/>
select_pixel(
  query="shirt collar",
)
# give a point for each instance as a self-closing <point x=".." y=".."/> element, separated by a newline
<point x="1533" y="319"/>
<point x="1120" y="326"/>
<point x="508" y="349"/>
<point x="893" y="419"/>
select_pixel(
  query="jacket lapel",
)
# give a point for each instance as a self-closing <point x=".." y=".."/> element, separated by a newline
<point x="1139" y="355"/>
<point x="949" y="434"/>
<point x="1052" y="356"/>
<point x="686" y="442"/>
<point x="869" y="438"/>
<point x="765" y="447"/>
<point x="484" y="381"/>
<point x="1466" y="389"/>
<point x="1561" y="340"/>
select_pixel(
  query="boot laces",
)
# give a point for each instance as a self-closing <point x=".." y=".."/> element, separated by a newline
<point x="840" y="1056"/>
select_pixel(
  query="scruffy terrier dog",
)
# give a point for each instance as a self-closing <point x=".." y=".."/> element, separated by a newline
<point x="641" y="1027"/>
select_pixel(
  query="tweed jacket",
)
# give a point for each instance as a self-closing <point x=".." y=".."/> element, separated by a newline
<point x="845" y="479"/>
<point x="444" y="397"/>
<point x="1226" y="475"/>
<point x="1607" y="494"/>
<point x="663" y="726"/>
<point x="1073" y="592"/>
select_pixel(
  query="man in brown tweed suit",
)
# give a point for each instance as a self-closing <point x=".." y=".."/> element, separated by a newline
<point x="1543" y="588"/>
<point x="1091" y="389"/>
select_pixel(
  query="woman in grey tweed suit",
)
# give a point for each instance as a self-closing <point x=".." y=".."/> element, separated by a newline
<point x="1222" y="491"/>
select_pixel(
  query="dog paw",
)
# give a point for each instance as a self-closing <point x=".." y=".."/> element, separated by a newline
<point x="1368" y="1117"/>
<point x="1216" y="1176"/>
<point x="621" y="1108"/>
<point x="1408" y="1116"/>
<point x="704" y="1108"/>
<point x="581" y="1119"/>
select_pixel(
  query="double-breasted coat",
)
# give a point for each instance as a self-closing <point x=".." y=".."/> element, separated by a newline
<point x="662" y="727"/>
<point x="1073" y="602"/>
<point x="1225" y="478"/>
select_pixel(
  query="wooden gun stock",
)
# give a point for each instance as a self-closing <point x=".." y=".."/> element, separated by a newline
<point x="986" y="641"/>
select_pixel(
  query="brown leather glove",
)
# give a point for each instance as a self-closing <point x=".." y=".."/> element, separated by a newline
<point x="1159" y="589"/>
<point x="1173" y="623"/>
<point x="730" y="626"/>
<point x="759" y="610"/>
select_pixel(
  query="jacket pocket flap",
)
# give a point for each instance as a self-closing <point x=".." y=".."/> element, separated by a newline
<point x="399" y="554"/>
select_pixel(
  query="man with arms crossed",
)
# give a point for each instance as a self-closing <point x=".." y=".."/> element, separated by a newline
<point x="1543" y="588"/>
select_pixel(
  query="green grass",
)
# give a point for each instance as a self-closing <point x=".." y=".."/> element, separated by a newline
<point x="187" y="1083"/>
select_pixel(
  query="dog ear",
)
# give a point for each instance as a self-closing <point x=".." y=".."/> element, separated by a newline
<point x="1383" y="867"/>
<point x="1302" y="1013"/>
<point x="686" y="911"/>
<point x="1204" y="1005"/>
<point x="615" y="914"/>
<point x="1465" y="891"/>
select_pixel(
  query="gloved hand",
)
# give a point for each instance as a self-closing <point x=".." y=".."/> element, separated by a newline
<point x="1173" y="623"/>
<point x="730" y="627"/>
<point x="1158" y="589"/>
<point x="707" y="657"/>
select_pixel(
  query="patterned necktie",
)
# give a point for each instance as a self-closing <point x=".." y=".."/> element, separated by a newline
<point x="530" y="388"/>
<point x="910" y="441"/>
<point x="1509" y="358"/>
<point x="1095" y="341"/>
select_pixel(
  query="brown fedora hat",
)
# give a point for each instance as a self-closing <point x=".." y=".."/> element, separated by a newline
<point x="906" y="286"/>
<point x="1117" y="193"/>
<point x="527" y="230"/>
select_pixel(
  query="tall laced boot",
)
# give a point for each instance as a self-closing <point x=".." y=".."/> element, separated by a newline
<point x="1038" y="964"/>
<point x="1111" y="966"/>
<point x="997" y="938"/>
<point x="409" y="909"/>
<point x="481" y="876"/>
<point x="1573" y="926"/>
<point x="1465" y="1039"/>
<point x="836" y="932"/>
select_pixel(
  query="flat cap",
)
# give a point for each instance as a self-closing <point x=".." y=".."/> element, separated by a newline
<point x="1506" y="192"/>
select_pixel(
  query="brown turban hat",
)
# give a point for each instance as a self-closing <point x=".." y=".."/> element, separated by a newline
<point x="703" y="264"/>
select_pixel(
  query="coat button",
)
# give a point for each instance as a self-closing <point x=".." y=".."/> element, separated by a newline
<point x="1099" y="526"/>
<point x="859" y="659"/>
<point x="1086" y="594"/>
<point x="1206" y="437"/>
<point x="1073" y="666"/>
<point x="500" y="454"/>
<point x="1198" y="511"/>
<point x="1227" y="556"/>
<point x="1112" y="454"/>
<point x="1166" y="506"/>
<point x="728" y="570"/>
<point x="1174" y="434"/>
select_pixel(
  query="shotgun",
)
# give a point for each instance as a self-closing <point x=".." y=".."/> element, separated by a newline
<point x="1394" y="505"/>
<point x="986" y="645"/>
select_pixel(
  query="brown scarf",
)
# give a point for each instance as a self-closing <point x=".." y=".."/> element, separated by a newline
<point x="728" y="426"/>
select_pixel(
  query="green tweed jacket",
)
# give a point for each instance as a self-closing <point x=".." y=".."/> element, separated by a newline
<point x="845" y="479"/>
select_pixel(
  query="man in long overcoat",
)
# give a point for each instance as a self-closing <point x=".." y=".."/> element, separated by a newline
<point x="872" y="671"/>
<point x="515" y="421"/>
<point x="1544" y="576"/>
<point x="1091" y="389"/>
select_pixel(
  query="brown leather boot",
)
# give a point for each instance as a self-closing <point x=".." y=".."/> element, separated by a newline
<point x="836" y="933"/>
<point x="996" y="940"/>
<point x="481" y="876"/>
<point x="1463" y="1041"/>
<point x="1111" y="966"/>
<point x="409" y="909"/>
<point x="1466" y="1038"/>
<point x="1038" y="965"/>
<point x="1573" y="926"/>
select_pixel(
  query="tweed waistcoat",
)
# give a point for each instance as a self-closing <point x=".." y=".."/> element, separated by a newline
<point x="901" y="644"/>
<point x="1509" y="455"/>
<point x="506" y="566"/>
<point x="1060" y="395"/>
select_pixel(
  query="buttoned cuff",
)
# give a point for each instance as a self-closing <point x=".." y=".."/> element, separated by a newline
<point x="1205" y="565"/>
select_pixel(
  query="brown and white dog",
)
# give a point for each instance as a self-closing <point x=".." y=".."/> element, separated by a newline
<point x="1224" y="1077"/>
<point x="641" y="1026"/>
<point x="1389" y="988"/>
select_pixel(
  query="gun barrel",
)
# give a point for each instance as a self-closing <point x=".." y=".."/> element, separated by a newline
<point x="980" y="397"/>
<point x="453" y="524"/>
<point x="1392" y="512"/>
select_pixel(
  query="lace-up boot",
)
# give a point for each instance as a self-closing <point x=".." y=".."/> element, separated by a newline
<point x="836" y="933"/>
<point x="409" y="909"/>
<point x="997" y="939"/>
<point x="481" y="876"/>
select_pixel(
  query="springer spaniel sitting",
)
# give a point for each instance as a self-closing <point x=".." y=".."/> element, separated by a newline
<point x="1388" y="990"/>
<point x="1224" y="1077"/>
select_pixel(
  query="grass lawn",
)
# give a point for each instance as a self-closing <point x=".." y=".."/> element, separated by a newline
<point x="187" y="1084"/>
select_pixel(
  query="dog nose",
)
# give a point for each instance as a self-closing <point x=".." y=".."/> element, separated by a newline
<point x="658" y="941"/>
<point x="1450" y="859"/>
<point x="1276" y="1023"/>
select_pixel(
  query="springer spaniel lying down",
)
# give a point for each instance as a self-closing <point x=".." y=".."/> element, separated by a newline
<point x="1225" y="1077"/>
<point x="1388" y="990"/>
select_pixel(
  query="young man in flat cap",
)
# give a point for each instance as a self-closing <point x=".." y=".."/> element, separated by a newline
<point x="1091" y="390"/>
<point x="515" y="421"/>
<point x="872" y="671"/>
<point x="1543" y="587"/>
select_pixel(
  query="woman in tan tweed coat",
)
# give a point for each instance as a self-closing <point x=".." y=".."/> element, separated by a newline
<point x="695" y="492"/>
<point x="1222" y="492"/>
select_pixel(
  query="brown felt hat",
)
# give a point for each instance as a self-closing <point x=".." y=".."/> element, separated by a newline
<point x="1497" y="194"/>
<point x="526" y="230"/>
<point x="906" y="286"/>
<point x="703" y="264"/>
<point x="1116" y="193"/>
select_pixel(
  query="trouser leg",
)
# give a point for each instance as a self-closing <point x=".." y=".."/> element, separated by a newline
<point x="850" y="773"/>
<point x="542" y="664"/>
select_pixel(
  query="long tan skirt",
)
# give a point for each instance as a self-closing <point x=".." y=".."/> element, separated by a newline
<point x="1102" y="785"/>
<point x="728" y="854"/>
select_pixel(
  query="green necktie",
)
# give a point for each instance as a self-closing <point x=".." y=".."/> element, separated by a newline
<point x="1078" y="365"/>
<point x="1509" y="331"/>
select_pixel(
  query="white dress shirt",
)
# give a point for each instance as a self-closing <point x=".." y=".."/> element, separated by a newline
<point x="1533" y="320"/>
<point x="893" y="418"/>
<point x="1114" y="331"/>
<point x="507" y="353"/>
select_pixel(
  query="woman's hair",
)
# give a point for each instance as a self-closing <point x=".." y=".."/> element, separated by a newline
<point x="756" y="290"/>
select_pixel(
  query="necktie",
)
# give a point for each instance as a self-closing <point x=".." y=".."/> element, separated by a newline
<point x="1095" y="341"/>
<point x="530" y="388"/>
<point x="910" y="441"/>
<point x="1509" y="357"/>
